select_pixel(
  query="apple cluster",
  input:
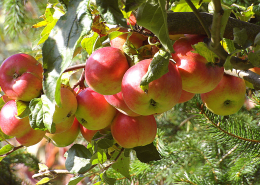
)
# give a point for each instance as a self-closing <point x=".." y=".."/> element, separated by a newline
<point x="114" y="100"/>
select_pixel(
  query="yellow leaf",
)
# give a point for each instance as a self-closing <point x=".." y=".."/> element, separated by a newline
<point x="40" y="24"/>
<point x="44" y="180"/>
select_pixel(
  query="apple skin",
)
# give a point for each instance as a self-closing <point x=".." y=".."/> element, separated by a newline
<point x="198" y="75"/>
<point x="10" y="124"/>
<point x="64" y="126"/>
<point x="130" y="132"/>
<point x="118" y="102"/>
<point x="68" y="106"/>
<point x="86" y="133"/>
<point x="227" y="98"/>
<point x="162" y="95"/>
<point x="94" y="112"/>
<point x="65" y="138"/>
<point x="136" y="39"/>
<point x="185" y="96"/>
<point x="21" y="77"/>
<point x="105" y="69"/>
<point x="32" y="137"/>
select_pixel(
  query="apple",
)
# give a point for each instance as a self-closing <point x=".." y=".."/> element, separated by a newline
<point x="86" y="133"/>
<point x="118" y="102"/>
<point x="105" y="69"/>
<point x="94" y="112"/>
<point x="198" y="75"/>
<point x="185" y="96"/>
<point x="32" y="137"/>
<point x="21" y="77"/>
<point x="65" y="125"/>
<point x="65" y="138"/>
<point x="68" y="107"/>
<point x="227" y="98"/>
<point x="162" y="95"/>
<point x="130" y="132"/>
<point x="131" y="20"/>
<point x="10" y="124"/>
<point x="136" y="39"/>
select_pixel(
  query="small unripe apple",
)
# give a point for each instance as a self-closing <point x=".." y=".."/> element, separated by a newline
<point x="105" y="69"/>
<point x="10" y="124"/>
<point x="118" y="102"/>
<point x="94" y="112"/>
<point x="227" y="98"/>
<point x="130" y="132"/>
<point x="68" y="106"/>
<point x="31" y="138"/>
<point x="65" y="138"/>
<point x="21" y="77"/>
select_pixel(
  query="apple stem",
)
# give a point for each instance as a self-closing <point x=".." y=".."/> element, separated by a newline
<point x="80" y="82"/>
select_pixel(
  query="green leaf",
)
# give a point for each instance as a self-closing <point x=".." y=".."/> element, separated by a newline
<point x="152" y="15"/>
<point x="227" y="64"/>
<point x="75" y="180"/>
<point x="240" y="36"/>
<point x="254" y="58"/>
<point x="89" y="42"/>
<point x="58" y="49"/>
<point x="257" y="39"/>
<point x="23" y="109"/>
<point x="110" y="12"/>
<point x="157" y="68"/>
<point x="202" y="49"/>
<point x="2" y="103"/>
<point x="182" y="6"/>
<point x="78" y="159"/>
<point x="5" y="149"/>
<point x="122" y="165"/>
<point x="99" y="157"/>
<point x="131" y="5"/>
<point x="147" y="153"/>
<point x="42" y="110"/>
<point x="3" y="136"/>
<point x="44" y="180"/>
<point x="106" y="179"/>
<point x="104" y="141"/>
<point x="229" y="45"/>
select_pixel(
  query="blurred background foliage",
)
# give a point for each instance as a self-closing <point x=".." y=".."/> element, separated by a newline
<point x="197" y="147"/>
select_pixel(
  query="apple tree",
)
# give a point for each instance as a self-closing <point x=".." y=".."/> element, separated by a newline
<point x="113" y="79"/>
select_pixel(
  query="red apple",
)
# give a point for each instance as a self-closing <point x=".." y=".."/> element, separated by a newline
<point x="136" y="39"/>
<point x="162" y="95"/>
<point x="65" y="125"/>
<point x="105" y="69"/>
<point x="21" y="77"/>
<point x="32" y="137"/>
<point x="131" y="20"/>
<point x="185" y="96"/>
<point x="65" y="138"/>
<point x="94" y="112"/>
<point x="118" y="102"/>
<point x="67" y="109"/>
<point x="131" y="132"/>
<point x="227" y="98"/>
<point x="10" y="124"/>
<point x="86" y="133"/>
<point x="198" y="75"/>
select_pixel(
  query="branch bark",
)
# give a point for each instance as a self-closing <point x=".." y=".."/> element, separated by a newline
<point x="187" y="23"/>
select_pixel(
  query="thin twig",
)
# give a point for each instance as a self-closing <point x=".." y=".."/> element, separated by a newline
<point x="227" y="154"/>
<point x="81" y="80"/>
<point x="186" y="120"/>
<point x="72" y="68"/>
<point x="196" y="12"/>
<point x="11" y="151"/>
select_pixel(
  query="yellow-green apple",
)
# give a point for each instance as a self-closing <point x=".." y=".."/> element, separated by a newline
<point x="10" y="124"/>
<point x="198" y="75"/>
<point x="105" y="69"/>
<point x="131" y="132"/>
<point x="227" y="98"/>
<point x="32" y="137"/>
<point x="162" y="95"/>
<point x="65" y="125"/>
<point x="185" y="96"/>
<point x="65" y="138"/>
<point x="94" y="112"/>
<point x="136" y="39"/>
<point x="118" y="102"/>
<point x="21" y="77"/>
<point x="68" y="107"/>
